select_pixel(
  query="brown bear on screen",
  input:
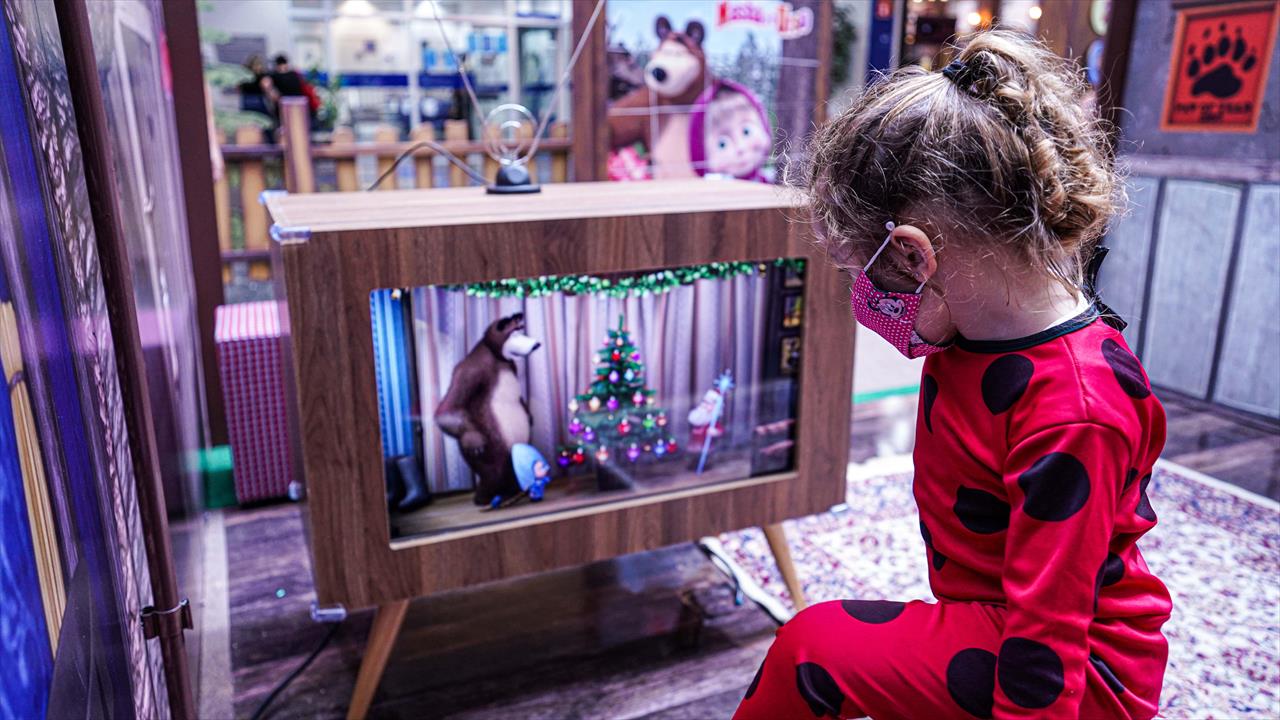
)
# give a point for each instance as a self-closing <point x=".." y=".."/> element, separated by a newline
<point x="484" y="410"/>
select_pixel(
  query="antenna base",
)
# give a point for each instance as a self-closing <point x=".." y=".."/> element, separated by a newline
<point x="512" y="180"/>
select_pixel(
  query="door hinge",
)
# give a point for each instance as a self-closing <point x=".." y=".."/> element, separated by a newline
<point x="157" y="623"/>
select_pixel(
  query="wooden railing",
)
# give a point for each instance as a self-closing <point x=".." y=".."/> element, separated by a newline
<point x="297" y="165"/>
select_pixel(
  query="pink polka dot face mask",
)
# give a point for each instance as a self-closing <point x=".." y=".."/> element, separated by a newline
<point x="891" y="315"/>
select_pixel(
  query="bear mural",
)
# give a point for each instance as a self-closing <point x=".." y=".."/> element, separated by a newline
<point x="655" y="114"/>
<point x="684" y="121"/>
<point x="484" y="410"/>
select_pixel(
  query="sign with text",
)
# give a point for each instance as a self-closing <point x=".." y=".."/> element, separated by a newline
<point x="1218" y="72"/>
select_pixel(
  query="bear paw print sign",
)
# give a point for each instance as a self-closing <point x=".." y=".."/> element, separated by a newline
<point x="1218" y="72"/>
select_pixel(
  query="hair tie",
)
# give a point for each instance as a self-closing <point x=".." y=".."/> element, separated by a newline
<point x="954" y="69"/>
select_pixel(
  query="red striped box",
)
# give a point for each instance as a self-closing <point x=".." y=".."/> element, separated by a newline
<point x="249" y="361"/>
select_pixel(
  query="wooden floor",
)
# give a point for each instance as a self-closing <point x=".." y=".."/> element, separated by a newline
<point x="1239" y="449"/>
<point x="652" y="635"/>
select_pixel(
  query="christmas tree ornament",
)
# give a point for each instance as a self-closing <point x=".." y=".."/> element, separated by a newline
<point x="579" y="457"/>
<point x="602" y="454"/>
<point x="593" y="404"/>
<point x="635" y="356"/>
<point x="633" y="452"/>
<point x="573" y="406"/>
<point x="575" y="426"/>
<point x="565" y="459"/>
<point x="616" y="356"/>
<point x="629" y="376"/>
<point x="662" y="420"/>
<point x="659" y="449"/>
<point x="649" y="422"/>
<point x="624" y="427"/>
<point x="619" y="342"/>
<point x="671" y="445"/>
<point x="648" y="447"/>
<point x="638" y="398"/>
<point x="613" y="376"/>
<point x="589" y="434"/>
<point x="651" y="401"/>
<point x="613" y="403"/>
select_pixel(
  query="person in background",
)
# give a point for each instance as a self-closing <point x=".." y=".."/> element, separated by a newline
<point x="290" y="83"/>
<point x="256" y="93"/>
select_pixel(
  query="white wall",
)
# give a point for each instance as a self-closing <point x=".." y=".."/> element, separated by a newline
<point x="264" y="18"/>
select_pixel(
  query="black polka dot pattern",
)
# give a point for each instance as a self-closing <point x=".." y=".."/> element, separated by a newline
<point x="755" y="683"/>
<point x="1144" y="509"/>
<point x="1056" y="487"/>
<point x="819" y="690"/>
<point x="938" y="558"/>
<point x="875" y="612"/>
<point x="1029" y="672"/>
<point x="1004" y="382"/>
<point x="971" y="681"/>
<point x="928" y="393"/>
<point x="1111" y="572"/>
<point x="1108" y="676"/>
<point x="980" y="511"/>
<point x="1127" y="369"/>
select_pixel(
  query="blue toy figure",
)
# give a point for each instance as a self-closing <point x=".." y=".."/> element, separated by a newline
<point x="533" y="472"/>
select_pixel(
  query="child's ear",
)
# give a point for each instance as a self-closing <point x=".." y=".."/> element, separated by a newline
<point x="912" y="251"/>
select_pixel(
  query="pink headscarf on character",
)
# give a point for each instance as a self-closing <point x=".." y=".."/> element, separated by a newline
<point x="729" y="132"/>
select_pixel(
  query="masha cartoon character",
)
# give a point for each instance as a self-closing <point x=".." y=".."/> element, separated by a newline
<point x="729" y="132"/>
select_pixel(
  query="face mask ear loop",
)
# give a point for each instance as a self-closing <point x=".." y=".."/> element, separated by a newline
<point x="887" y="226"/>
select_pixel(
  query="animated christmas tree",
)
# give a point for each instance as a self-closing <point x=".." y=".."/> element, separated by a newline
<point x="616" y="417"/>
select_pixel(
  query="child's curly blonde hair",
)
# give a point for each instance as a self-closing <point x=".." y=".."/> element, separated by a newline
<point x="1000" y="148"/>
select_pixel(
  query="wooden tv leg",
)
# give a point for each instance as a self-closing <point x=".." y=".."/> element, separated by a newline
<point x="777" y="538"/>
<point x="382" y="636"/>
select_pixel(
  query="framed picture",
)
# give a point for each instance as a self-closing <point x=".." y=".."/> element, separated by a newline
<point x="1218" y="70"/>
<point x="793" y="311"/>
<point x="790" y="355"/>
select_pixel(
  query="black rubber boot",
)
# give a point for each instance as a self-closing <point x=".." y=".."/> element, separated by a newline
<point x="416" y="494"/>
<point x="395" y="484"/>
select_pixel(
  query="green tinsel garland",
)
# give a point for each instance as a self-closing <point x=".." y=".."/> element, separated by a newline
<point x="644" y="284"/>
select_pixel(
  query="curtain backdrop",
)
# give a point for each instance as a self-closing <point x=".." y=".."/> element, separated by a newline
<point x="686" y="337"/>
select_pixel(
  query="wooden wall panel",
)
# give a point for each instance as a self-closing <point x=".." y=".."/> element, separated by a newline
<point x="1193" y="250"/>
<point x="1122" y="281"/>
<point x="1249" y="368"/>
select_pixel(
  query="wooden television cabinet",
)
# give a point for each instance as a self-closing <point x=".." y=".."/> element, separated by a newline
<point x="331" y="250"/>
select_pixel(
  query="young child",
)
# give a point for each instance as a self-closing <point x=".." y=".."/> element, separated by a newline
<point x="1037" y="429"/>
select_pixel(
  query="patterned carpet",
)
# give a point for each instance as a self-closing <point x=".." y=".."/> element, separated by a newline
<point x="1217" y="548"/>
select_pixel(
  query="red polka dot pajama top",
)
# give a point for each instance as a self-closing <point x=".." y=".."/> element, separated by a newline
<point x="1032" y="462"/>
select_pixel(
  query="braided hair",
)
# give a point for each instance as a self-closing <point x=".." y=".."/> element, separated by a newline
<point x="1000" y="148"/>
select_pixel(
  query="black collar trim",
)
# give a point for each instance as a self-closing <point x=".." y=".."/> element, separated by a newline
<point x="1082" y="320"/>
